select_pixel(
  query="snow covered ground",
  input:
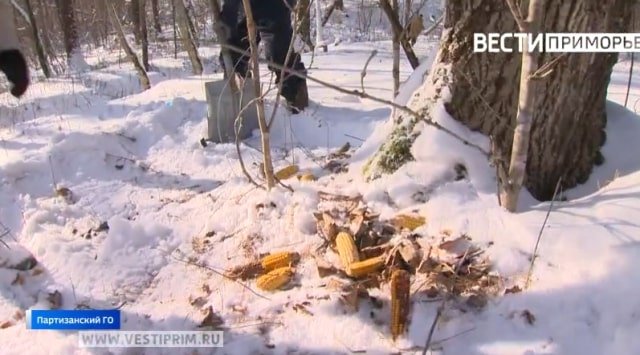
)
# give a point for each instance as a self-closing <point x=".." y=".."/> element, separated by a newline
<point x="134" y="161"/>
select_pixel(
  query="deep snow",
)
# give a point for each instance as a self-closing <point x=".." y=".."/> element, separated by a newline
<point x="135" y="161"/>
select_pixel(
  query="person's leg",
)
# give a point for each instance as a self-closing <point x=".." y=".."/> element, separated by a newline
<point x="277" y="34"/>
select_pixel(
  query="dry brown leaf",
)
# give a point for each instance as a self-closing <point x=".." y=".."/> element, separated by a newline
<point x="335" y="285"/>
<point x="372" y="252"/>
<point x="458" y="246"/>
<point x="326" y="225"/>
<point x="528" y="317"/>
<point x="19" y="315"/>
<point x="325" y="269"/>
<point x="341" y="198"/>
<point x="200" y="245"/>
<point x="55" y="299"/>
<point x="246" y="271"/>
<point x="410" y="253"/>
<point x="513" y="289"/>
<point x="6" y="324"/>
<point x="197" y="302"/>
<point x="239" y="309"/>
<point x="211" y="319"/>
<point x="350" y="296"/>
<point x="302" y="309"/>
<point x="19" y="280"/>
<point x="357" y="221"/>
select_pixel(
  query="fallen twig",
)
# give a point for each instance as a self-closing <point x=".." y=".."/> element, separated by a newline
<point x="209" y="268"/>
<point x="441" y="306"/>
<point x="535" y="249"/>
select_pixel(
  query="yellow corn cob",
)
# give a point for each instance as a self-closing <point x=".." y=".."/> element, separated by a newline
<point x="307" y="177"/>
<point x="286" y="172"/>
<point x="400" y="289"/>
<point x="275" y="279"/>
<point x="347" y="249"/>
<point x="364" y="267"/>
<point x="410" y="222"/>
<point x="278" y="260"/>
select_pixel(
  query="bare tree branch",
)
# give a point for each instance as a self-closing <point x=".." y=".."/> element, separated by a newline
<point x="364" y="95"/>
<point x="363" y="73"/>
<point x="517" y="15"/>
<point x="396" y="27"/>
<point x="264" y="129"/>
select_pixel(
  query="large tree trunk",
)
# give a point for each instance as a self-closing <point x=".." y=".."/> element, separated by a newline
<point x="569" y="114"/>
<point x="156" y="16"/>
<point x="144" y="38"/>
<point x="42" y="57"/>
<point x="134" y="15"/>
<point x="75" y="60"/>
<point x="185" y="35"/>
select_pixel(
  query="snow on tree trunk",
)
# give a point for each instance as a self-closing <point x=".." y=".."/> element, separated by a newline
<point x="75" y="59"/>
<point x="569" y="114"/>
<point x="37" y="40"/>
<point x="185" y="36"/>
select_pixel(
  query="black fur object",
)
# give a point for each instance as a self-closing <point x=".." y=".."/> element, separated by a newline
<point x="14" y="66"/>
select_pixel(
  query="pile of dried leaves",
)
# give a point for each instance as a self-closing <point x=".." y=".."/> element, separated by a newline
<point x="393" y="253"/>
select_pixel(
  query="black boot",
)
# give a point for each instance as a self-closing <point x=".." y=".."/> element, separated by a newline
<point x="294" y="90"/>
<point x="14" y="66"/>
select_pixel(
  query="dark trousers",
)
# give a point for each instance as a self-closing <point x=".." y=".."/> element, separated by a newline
<point x="275" y="32"/>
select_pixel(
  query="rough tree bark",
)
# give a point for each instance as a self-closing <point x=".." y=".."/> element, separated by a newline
<point x="303" y="16"/>
<point x="115" y="22"/>
<point x="70" y="34"/>
<point x="134" y="14"/>
<point x="192" y="28"/>
<point x="42" y="57"/>
<point x="569" y="114"/>
<point x="185" y="36"/>
<point x="144" y="38"/>
<point x="396" y="28"/>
